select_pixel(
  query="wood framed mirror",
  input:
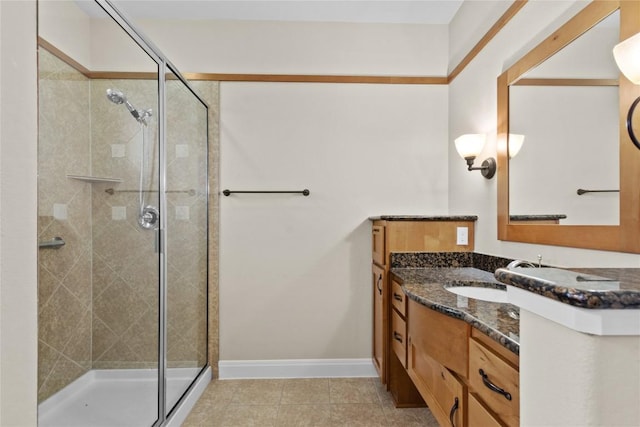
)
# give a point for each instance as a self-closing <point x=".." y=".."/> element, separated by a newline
<point x="622" y="235"/>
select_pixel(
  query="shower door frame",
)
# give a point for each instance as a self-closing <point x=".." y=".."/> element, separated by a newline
<point x="164" y="65"/>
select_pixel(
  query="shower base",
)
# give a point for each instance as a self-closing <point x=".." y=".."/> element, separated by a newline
<point x="120" y="397"/>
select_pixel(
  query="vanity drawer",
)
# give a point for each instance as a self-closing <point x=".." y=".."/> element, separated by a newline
<point x="443" y="392"/>
<point x="399" y="337"/>
<point x="500" y="389"/>
<point x="377" y="241"/>
<point x="478" y="415"/>
<point x="398" y="298"/>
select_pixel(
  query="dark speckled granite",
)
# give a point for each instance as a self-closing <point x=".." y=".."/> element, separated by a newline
<point x="426" y="286"/>
<point x="489" y="262"/>
<point x="619" y="290"/>
<point x="447" y="259"/>
<point x="424" y="218"/>
<point x="431" y="259"/>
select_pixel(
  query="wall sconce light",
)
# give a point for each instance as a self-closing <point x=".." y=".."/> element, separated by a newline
<point x="469" y="146"/>
<point x="627" y="56"/>
<point x="515" y="144"/>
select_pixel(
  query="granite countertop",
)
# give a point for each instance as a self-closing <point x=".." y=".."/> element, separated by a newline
<point x="424" y="218"/>
<point x="500" y="321"/>
<point x="593" y="288"/>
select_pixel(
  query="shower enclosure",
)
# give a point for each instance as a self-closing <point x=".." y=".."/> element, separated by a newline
<point x="122" y="225"/>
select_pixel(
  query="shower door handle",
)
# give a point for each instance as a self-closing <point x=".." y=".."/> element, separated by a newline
<point x="156" y="241"/>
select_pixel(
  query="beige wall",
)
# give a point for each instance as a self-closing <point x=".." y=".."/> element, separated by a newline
<point x="18" y="214"/>
<point x="302" y="47"/>
<point x="297" y="259"/>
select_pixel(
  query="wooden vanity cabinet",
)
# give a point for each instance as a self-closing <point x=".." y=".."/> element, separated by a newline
<point x="402" y="235"/>
<point x="380" y="319"/>
<point x="444" y="358"/>
<point x="494" y="383"/>
<point x="404" y="392"/>
<point x="437" y="361"/>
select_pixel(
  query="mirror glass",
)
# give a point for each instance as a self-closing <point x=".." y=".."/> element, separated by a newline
<point x="558" y="94"/>
<point x="567" y="109"/>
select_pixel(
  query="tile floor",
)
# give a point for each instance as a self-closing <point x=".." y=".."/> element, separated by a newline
<point x="322" y="402"/>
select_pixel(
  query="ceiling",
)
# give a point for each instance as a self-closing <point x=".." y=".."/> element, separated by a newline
<point x="358" y="11"/>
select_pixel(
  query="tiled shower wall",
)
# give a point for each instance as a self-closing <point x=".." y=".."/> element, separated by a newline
<point x="64" y="209"/>
<point x="125" y="263"/>
<point x="98" y="294"/>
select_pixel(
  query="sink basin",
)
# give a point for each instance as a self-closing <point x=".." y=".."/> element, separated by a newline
<point x="488" y="293"/>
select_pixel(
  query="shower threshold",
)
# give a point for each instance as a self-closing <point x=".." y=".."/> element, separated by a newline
<point x="120" y="397"/>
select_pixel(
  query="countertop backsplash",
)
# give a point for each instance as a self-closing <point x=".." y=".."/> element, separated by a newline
<point x="484" y="262"/>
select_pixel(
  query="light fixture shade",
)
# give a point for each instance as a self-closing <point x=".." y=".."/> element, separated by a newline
<point x="470" y="145"/>
<point x="515" y="144"/>
<point x="627" y="56"/>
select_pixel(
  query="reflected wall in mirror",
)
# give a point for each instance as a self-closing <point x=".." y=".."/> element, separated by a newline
<point x="568" y="106"/>
<point x="564" y="96"/>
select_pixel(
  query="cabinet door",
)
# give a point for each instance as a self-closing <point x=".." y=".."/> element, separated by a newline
<point x="377" y="240"/>
<point x="380" y="320"/>
<point x="443" y="392"/>
<point x="443" y="338"/>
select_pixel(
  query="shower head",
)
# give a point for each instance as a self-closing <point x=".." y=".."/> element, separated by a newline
<point x="118" y="97"/>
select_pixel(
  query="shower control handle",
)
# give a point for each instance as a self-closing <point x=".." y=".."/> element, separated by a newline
<point x="149" y="218"/>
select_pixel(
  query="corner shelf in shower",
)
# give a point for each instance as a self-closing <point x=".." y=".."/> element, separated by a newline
<point x="94" y="179"/>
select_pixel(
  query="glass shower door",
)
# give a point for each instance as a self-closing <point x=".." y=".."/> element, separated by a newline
<point x="98" y="188"/>
<point x="186" y="237"/>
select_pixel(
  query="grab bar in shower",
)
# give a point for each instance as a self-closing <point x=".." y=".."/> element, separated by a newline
<point x="582" y="191"/>
<point x="55" y="243"/>
<point x="304" y="192"/>
<point x="112" y="191"/>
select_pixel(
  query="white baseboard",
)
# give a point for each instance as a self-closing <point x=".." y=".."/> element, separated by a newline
<point x="296" y="368"/>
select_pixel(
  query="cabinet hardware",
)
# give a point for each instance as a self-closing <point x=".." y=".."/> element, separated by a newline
<point x="397" y="297"/>
<point x="581" y="191"/>
<point x="452" y="413"/>
<point x="491" y="386"/>
<point x="397" y="337"/>
<point x="378" y="284"/>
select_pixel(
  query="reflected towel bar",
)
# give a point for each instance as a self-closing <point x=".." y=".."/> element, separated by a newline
<point x="304" y="192"/>
<point x="55" y="243"/>
<point x="112" y="191"/>
<point x="581" y="191"/>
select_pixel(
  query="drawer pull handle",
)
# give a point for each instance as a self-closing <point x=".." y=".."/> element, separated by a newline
<point x="397" y="337"/>
<point x="378" y="284"/>
<point x="397" y="297"/>
<point x="454" y="408"/>
<point x="493" y="387"/>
